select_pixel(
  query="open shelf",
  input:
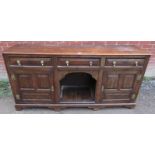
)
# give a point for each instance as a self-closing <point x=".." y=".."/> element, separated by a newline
<point x="77" y="87"/>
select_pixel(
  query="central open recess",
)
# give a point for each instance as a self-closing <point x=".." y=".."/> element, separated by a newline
<point x="77" y="87"/>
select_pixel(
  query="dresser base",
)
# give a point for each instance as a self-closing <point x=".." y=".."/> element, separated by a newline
<point x="58" y="107"/>
<point x="68" y="77"/>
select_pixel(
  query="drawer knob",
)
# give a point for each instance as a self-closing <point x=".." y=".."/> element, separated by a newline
<point x="114" y="63"/>
<point x="67" y="62"/>
<point x="136" y="63"/>
<point x="42" y="62"/>
<point x="90" y="63"/>
<point x="18" y="62"/>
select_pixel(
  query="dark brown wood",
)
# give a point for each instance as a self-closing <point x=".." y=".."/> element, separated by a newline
<point x="57" y="78"/>
<point x="96" y="51"/>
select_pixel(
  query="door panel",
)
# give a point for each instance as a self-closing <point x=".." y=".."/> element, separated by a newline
<point x="128" y="81"/>
<point x="119" y="85"/>
<point x="33" y="85"/>
<point x="43" y="81"/>
<point x="112" y="81"/>
<point x="25" y="81"/>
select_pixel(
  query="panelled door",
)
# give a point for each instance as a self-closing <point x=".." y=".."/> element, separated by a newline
<point x="32" y="85"/>
<point x="120" y="85"/>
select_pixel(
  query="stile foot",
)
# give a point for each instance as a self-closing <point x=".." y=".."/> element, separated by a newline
<point x="57" y="109"/>
<point x="130" y="106"/>
<point x="18" y="108"/>
<point x="94" y="108"/>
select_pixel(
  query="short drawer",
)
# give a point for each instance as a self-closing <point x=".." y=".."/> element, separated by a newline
<point x="31" y="61"/>
<point x="124" y="62"/>
<point x="78" y="62"/>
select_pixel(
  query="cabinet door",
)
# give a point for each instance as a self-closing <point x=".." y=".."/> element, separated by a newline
<point x="120" y="85"/>
<point x="32" y="85"/>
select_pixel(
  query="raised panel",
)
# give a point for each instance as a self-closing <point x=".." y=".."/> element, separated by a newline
<point x="25" y="81"/>
<point x="117" y="96"/>
<point x="43" y="81"/>
<point x="128" y="81"/>
<point x="114" y="94"/>
<point x="35" y="96"/>
<point x="111" y="81"/>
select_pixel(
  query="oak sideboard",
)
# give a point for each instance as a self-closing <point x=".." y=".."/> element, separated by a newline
<point x="61" y="77"/>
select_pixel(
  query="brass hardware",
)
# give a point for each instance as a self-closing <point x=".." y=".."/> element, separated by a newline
<point x="102" y="61"/>
<point x="114" y="63"/>
<point x="90" y="63"/>
<point x="17" y="97"/>
<point x="18" y="62"/>
<point x="67" y="62"/>
<point x="139" y="77"/>
<point x="52" y="88"/>
<point x="42" y="62"/>
<point x="102" y="88"/>
<point x="133" y="96"/>
<point x="136" y="63"/>
<point x="13" y="77"/>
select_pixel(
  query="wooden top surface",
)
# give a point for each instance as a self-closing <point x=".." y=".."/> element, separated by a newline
<point x="97" y="51"/>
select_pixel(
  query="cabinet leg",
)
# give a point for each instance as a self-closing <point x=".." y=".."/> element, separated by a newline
<point x="94" y="108"/>
<point x="130" y="106"/>
<point x="18" y="108"/>
<point x="57" y="109"/>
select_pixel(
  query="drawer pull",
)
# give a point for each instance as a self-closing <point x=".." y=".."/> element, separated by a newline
<point x="136" y="63"/>
<point x="67" y="62"/>
<point x="42" y="62"/>
<point x="114" y="63"/>
<point x="18" y="62"/>
<point x="90" y="63"/>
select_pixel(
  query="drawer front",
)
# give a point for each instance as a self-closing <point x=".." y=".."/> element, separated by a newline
<point x="78" y="62"/>
<point x="30" y="61"/>
<point x="114" y="62"/>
